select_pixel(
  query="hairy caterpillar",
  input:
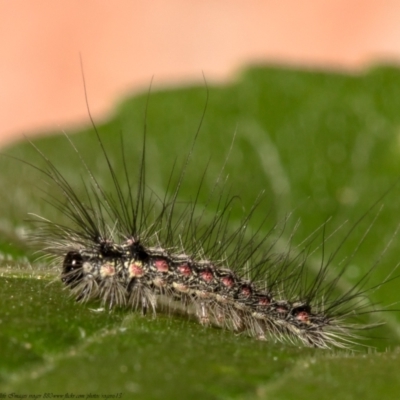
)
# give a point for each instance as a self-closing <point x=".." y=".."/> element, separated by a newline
<point x="128" y="247"/>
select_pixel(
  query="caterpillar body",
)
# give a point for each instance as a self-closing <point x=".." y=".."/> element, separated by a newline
<point x="127" y="247"/>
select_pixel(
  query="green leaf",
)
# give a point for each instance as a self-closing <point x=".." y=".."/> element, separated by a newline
<point x="322" y="145"/>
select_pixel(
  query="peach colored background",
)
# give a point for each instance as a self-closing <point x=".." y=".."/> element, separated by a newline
<point x="124" y="43"/>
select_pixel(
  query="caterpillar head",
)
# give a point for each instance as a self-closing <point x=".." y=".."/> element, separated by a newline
<point x="72" y="271"/>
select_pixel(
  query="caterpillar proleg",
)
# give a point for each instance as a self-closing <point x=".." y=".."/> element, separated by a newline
<point x="125" y="245"/>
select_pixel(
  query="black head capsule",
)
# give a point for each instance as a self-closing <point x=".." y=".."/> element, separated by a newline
<point x="72" y="271"/>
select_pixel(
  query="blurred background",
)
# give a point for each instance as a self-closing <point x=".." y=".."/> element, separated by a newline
<point x="125" y="43"/>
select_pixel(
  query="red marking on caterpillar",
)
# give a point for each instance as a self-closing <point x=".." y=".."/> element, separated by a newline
<point x="245" y="291"/>
<point x="228" y="281"/>
<point x="136" y="270"/>
<point x="207" y="275"/>
<point x="130" y="248"/>
<point x="303" y="316"/>
<point x="184" y="269"/>
<point x="263" y="301"/>
<point x="161" y="265"/>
